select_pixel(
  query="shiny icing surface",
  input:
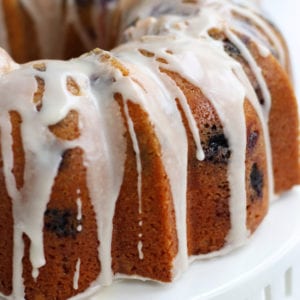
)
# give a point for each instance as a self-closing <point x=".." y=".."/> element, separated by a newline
<point x="178" y="34"/>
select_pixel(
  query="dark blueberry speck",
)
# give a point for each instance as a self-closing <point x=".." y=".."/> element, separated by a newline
<point x="252" y="140"/>
<point x="61" y="222"/>
<point x="231" y="49"/>
<point x="83" y="2"/>
<point x="259" y="95"/>
<point x="246" y="40"/>
<point x="218" y="149"/>
<point x="161" y="9"/>
<point x="257" y="180"/>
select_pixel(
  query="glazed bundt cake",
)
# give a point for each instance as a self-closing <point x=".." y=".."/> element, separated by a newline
<point x="134" y="162"/>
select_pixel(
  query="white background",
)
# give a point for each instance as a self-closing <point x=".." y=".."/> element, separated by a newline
<point x="286" y="14"/>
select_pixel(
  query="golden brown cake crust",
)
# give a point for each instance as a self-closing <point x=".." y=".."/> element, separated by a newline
<point x="257" y="185"/>
<point x="208" y="217"/>
<point x="283" y="118"/>
<point x="158" y="227"/>
<point x="283" y="122"/>
<point x="6" y="233"/>
<point x="63" y="243"/>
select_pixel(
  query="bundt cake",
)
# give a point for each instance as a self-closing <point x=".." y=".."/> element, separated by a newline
<point x="134" y="162"/>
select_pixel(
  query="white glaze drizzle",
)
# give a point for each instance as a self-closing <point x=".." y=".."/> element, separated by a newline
<point x="267" y="29"/>
<point x="76" y="275"/>
<point x="159" y="103"/>
<point x="140" y="250"/>
<point x="213" y="17"/>
<point x="137" y="154"/>
<point x="33" y="227"/>
<point x="246" y="54"/>
<point x="79" y="209"/>
<point x="18" y="250"/>
<point x="139" y="172"/>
